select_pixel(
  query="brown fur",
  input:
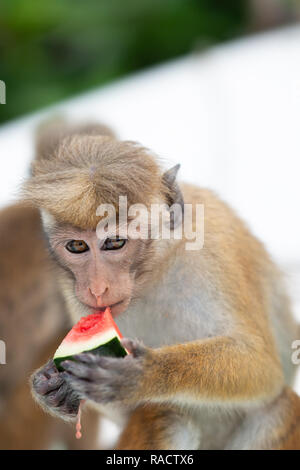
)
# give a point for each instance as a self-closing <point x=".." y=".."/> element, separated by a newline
<point x="287" y="435"/>
<point x="77" y="179"/>
<point x="149" y="428"/>
<point x="285" y="426"/>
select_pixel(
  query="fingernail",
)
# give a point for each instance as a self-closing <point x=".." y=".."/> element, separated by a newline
<point x="65" y="364"/>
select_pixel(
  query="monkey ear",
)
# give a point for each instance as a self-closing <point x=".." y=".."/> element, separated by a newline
<point x="169" y="176"/>
<point x="173" y="194"/>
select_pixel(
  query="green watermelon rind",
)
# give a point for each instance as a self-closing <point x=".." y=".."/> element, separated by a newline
<point x="84" y="342"/>
<point x="112" y="348"/>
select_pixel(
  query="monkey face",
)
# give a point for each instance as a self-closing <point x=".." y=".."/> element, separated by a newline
<point x="70" y="182"/>
<point x="103" y="270"/>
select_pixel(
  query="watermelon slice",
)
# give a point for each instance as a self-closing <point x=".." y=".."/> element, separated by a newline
<point x="96" y="333"/>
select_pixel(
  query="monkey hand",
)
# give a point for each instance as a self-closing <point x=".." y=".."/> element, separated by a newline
<point x="53" y="393"/>
<point x="108" y="379"/>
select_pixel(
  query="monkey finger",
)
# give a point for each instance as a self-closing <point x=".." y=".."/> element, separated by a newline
<point x="102" y="392"/>
<point x="49" y="369"/>
<point x="135" y="347"/>
<point x="105" y="362"/>
<point x="57" y="397"/>
<point x="39" y="384"/>
<point x="77" y="385"/>
<point x="87" y="358"/>
<point x="44" y="386"/>
<point x="95" y="360"/>
<point x="55" y="382"/>
<point x="76" y="368"/>
<point x="82" y="371"/>
<point x="45" y="371"/>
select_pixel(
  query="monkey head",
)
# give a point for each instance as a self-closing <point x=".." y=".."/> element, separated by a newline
<point x="82" y="173"/>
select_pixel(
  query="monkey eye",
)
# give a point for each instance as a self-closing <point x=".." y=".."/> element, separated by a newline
<point x="77" y="246"/>
<point x="114" y="243"/>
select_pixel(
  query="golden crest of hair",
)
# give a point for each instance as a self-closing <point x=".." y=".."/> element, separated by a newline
<point x="85" y="171"/>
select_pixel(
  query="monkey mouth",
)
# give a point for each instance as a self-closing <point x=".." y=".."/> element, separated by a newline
<point x="116" y="308"/>
<point x="102" y="309"/>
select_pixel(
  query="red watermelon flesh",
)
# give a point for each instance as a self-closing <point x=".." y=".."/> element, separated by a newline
<point x="96" y="333"/>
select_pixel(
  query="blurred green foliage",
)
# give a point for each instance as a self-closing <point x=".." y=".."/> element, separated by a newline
<point x="50" y="50"/>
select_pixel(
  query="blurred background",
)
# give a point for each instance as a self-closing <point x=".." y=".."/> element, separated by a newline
<point x="211" y="84"/>
<point x="64" y="47"/>
<point x="53" y="50"/>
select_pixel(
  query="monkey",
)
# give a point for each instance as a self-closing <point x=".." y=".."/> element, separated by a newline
<point x="208" y="331"/>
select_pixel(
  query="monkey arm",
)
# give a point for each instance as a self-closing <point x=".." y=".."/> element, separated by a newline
<point x="218" y="369"/>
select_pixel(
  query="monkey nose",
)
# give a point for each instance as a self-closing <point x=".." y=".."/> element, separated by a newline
<point x="98" y="295"/>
